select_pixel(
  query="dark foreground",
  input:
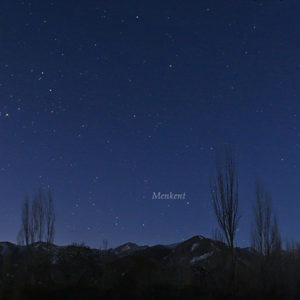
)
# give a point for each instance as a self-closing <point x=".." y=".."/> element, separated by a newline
<point x="198" y="268"/>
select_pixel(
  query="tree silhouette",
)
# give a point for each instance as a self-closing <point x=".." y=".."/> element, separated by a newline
<point x="37" y="219"/>
<point x="225" y="200"/>
<point x="265" y="237"/>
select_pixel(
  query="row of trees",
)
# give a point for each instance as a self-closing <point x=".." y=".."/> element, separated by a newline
<point x="37" y="219"/>
<point x="224" y="189"/>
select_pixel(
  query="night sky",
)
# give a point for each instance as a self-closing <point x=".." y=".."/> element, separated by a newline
<point x="107" y="102"/>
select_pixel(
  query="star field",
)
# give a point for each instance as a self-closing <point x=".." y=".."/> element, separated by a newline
<point x="107" y="102"/>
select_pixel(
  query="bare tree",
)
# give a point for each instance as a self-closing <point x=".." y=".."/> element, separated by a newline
<point x="32" y="230"/>
<point x="266" y="240"/>
<point x="224" y="194"/>
<point x="25" y="230"/>
<point x="265" y="237"/>
<point x="50" y="218"/>
<point x="26" y="234"/>
<point x="225" y="200"/>
<point x="39" y="214"/>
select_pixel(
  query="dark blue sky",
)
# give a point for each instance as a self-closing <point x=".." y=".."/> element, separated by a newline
<point x="110" y="101"/>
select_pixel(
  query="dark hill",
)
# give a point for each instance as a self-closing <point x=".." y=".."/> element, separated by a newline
<point x="198" y="268"/>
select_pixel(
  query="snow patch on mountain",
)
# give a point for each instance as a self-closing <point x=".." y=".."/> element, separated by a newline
<point x="202" y="257"/>
<point x="194" y="246"/>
